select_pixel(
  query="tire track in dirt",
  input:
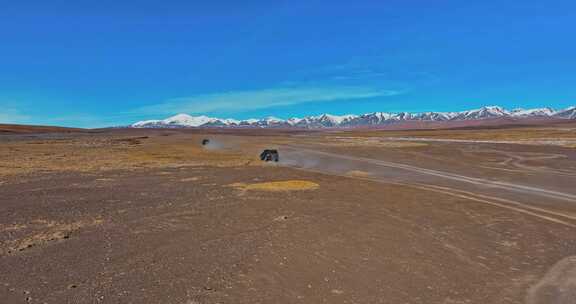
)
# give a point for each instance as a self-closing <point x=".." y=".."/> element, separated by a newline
<point x="518" y="160"/>
<point x="544" y="214"/>
<point x="524" y="208"/>
<point x="447" y="175"/>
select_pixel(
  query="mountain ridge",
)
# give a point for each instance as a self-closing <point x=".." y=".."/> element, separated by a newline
<point x="352" y="120"/>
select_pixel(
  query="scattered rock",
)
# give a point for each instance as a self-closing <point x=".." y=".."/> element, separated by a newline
<point x="281" y="218"/>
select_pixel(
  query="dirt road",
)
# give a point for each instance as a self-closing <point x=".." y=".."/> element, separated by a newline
<point x="558" y="207"/>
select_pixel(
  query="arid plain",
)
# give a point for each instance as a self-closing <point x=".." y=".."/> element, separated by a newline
<point x="476" y="215"/>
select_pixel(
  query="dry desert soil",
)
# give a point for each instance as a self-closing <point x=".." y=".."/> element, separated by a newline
<point x="349" y="216"/>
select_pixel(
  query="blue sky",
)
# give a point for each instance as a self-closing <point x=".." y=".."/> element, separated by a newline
<point x="102" y="63"/>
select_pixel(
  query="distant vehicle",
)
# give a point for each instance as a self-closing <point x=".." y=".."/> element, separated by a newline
<point x="205" y="141"/>
<point x="270" y="155"/>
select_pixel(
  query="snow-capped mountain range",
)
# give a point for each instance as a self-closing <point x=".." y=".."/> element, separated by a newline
<point x="370" y="119"/>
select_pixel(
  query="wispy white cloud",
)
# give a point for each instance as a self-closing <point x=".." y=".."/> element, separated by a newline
<point x="241" y="101"/>
<point x="393" y="69"/>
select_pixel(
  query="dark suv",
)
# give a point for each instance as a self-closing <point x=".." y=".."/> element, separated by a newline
<point x="269" y="155"/>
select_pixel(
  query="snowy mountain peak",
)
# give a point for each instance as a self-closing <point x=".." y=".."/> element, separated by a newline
<point x="496" y="109"/>
<point x="493" y="110"/>
<point x="335" y="118"/>
<point x="187" y="120"/>
<point x="532" y="112"/>
<point x="272" y="119"/>
<point x="568" y="113"/>
<point x="183" y="117"/>
<point x="350" y="120"/>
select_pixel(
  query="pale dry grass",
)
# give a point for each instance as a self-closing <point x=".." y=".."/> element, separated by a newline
<point x="357" y="141"/>
<point x="12" y="227"/>
<point x="345" y="139"/>
<point x="536" y="133"/>
<point x="103" y="153"/>
<point x="39" y="232"/>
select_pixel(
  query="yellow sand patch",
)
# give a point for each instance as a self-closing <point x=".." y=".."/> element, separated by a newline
<point x="358" y="173"/>
<point x="190" y="179"/>
<point x="289" y="185"/>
